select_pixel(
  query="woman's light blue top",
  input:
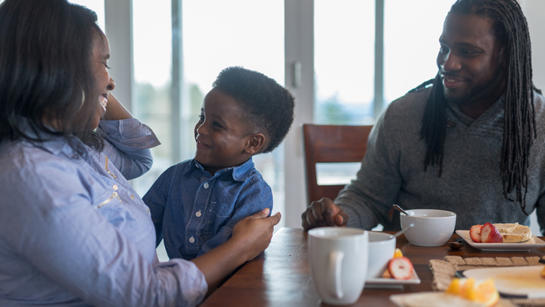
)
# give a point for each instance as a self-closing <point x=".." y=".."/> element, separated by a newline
<point x="73" y="232"/>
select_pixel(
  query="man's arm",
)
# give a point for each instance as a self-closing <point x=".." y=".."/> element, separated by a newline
<point x="369" y="197"/>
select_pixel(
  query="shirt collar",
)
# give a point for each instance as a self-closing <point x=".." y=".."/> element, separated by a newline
<point x="54" y="144"/>
<point x="495" y="110"/>
<point x="238" y="173"/>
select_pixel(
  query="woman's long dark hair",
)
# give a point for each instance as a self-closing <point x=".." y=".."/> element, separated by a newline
<point x="519" y="131"/>
<point x="46" y="78"/>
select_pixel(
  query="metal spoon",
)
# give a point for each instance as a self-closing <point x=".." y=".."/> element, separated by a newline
<point x="455" y="245"/>
<point x="398" y="208"/>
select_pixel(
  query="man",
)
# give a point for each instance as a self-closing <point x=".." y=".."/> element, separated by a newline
<point x="469" y="141"/>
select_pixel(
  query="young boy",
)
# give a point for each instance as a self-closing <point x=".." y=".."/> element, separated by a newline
<point x="195" y="204"/>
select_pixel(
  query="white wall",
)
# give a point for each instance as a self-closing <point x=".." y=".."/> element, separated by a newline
<point x="298" y="47"/>
<point x="535" y="13"/>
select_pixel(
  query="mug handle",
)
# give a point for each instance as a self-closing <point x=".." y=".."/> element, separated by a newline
<point x="335" y="269"/>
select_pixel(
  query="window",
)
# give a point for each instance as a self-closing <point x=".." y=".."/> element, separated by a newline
<point x="152" y="102"/>
<point x="411" y="43"/>
<point x="218" y="34"/>
<point x="346" y="85"/>
<point x="343" y="61"/>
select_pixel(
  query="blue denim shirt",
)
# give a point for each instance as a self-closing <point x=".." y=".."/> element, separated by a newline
<point x="194" y="211"/>
<point x="73" y="232"/>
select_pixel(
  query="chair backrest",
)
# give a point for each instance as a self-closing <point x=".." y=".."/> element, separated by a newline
<point x="331" y="143"/>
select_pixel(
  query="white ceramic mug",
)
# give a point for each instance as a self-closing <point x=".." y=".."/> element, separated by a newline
<point x="338" y="260"/>
<point x="381" y="249"/>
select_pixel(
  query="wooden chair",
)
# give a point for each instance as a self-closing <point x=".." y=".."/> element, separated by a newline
<point x="331" y="143"/>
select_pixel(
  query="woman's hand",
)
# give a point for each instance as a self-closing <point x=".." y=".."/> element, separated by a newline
<point x="250" y="237"/>
<point x="323" y="212"/>
<point x="254" y="233"/>
<point x="115" y="110"/>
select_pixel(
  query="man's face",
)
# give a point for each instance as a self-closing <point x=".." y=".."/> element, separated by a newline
<point x="470" y="58"/>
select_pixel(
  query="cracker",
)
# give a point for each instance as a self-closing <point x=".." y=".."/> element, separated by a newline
<point x="455" y="260"/>
<point x="533" y="260"/>
<point x="489" y="261"/>
<point x="473" y="261"/>
<point x="504" y="261"/>
<point x="519" y="261"/>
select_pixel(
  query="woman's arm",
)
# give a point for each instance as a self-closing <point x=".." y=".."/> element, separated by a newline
<point x="58" y="231"/>
<point x="254" y="196"/>
<point x="127" y="140"/>
<point x="115" y="110"/>
<point x="250" y="237"/>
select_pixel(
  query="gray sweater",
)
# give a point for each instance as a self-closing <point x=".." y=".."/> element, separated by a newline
<point x="392" y="170"/>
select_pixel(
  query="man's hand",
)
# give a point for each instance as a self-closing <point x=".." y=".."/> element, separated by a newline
<point x="323" y="212"/>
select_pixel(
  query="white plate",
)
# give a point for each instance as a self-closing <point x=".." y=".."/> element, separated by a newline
<point x="519" y="280"/>
<point x="414" y="280"/>
<point x="534" y="242"/>
<point x="438" y="299"/>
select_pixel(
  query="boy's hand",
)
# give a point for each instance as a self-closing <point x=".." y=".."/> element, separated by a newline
<point x="254" y="232"/>
<point x="323" y="212"/>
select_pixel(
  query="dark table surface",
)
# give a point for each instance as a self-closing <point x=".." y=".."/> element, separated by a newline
<point x="281" y="276"/>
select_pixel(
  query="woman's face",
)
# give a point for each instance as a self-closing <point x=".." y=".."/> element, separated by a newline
<point x="103" y="83"/>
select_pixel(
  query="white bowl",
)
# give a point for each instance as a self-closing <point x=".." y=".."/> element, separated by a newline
<point x="431" y="227"/>
<point x="381" y="250"/>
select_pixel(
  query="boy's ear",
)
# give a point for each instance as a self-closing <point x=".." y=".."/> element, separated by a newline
<point x="255" y="143"/>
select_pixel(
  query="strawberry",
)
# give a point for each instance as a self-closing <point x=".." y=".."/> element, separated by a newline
<point x="489" y="234"/>
<point x="400" y="268"/>
<point x="475" y="233"/>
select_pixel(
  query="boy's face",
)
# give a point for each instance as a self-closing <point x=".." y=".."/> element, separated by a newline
<point x="223" y="135"/>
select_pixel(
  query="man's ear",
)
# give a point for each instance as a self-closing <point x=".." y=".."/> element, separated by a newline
<point x="255" y="143"/>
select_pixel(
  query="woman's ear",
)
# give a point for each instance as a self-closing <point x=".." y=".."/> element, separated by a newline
<point x="255" y="143"/>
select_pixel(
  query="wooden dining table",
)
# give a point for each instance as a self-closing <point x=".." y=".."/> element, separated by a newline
<point x="281" y="276"/>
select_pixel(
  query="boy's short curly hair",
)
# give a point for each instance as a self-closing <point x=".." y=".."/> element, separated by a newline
<point x="269" y="106"/>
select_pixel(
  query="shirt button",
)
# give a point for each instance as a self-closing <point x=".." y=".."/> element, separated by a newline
<point x="191" y="240"/>
<point x="198" y="213"/>
<point x="206" y="185"/>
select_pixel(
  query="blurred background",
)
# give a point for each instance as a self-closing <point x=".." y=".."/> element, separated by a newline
<point x="343" y="60"/>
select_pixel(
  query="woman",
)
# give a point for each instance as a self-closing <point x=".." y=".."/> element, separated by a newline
<point x="72" y="230"/>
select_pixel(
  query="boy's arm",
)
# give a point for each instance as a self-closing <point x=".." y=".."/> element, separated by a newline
<point x="156" y="200"/>
<point x="256" y="197"/>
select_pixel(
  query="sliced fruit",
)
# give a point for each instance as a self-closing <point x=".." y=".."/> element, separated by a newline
<point x="486" y="293"/>
<point x="543" y="272"/>
<point x="400" y="268"/>
<point x="475" y="233"/>
<point x="455" y="287"/>
<point x="398" y="253"/>
<point x="483" y="292"/>
<point x="489" y="234"/>
<point x="468" y="289"/>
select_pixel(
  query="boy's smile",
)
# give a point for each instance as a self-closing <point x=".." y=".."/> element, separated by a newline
<point x="223" y="133"/>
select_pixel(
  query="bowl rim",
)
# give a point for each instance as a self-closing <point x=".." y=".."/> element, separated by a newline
<point x="388" y="237"/>
<point x="449" y="214"/>
<point x="349" y="233"/>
